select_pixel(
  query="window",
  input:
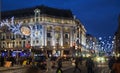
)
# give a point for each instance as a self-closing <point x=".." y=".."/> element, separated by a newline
<point x="3" y="37"/>
<point x="66" y="43"/>
<point x="13" y="44"/>
<point x="7" y="37"/>
<point x="33" y="42"/>
<point x="37" y="41"/>
<point x="66" y="52"/>
<point x="29" y="42"/>
<point x="49" y="35"/>
<point x="23" y="43"/>
<point x="19" y="42"/>
<point x="37" y="19"/>
<point x="3" y="42"/>
<point x="48" y="43"/>
<point x="66" y="36"/>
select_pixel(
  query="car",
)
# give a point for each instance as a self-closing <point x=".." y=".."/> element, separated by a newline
<point x="40" y="61"/>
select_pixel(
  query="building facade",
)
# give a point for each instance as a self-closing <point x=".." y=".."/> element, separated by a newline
<point x="92" y="44"/>
<point x="117" y="38"/>
<point x="41" y="28"/>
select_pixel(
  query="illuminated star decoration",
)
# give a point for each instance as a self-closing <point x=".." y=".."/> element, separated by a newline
<point x="15" y="28"/>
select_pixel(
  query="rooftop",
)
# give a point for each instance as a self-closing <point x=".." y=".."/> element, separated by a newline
<point x="43" y="10"/>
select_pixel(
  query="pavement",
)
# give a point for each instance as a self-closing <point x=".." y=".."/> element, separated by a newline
<point x="66" y="66"/>
<point x="15" y="67"/>
<point x="12" y="68"/>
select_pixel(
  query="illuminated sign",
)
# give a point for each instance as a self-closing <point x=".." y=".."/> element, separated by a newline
<point x="25" y="30"/>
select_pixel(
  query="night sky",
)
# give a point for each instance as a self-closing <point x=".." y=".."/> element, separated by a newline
<point x="100" y="17"/>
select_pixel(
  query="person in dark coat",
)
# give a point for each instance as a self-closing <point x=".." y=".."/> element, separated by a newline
<point x="59" y="61"/>
<point x="76" y="65"/>
<point x="2" y="61"/>
<point x="110" y="63"/>
<point x="90" y="65"/>
<point x="116" y="66"/>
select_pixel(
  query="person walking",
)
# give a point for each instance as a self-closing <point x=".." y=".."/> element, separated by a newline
<point x="90" y="65"/>
<point x="116" y="66"/>
<point x="76" y="65"/>
<point x="49" y="68"/>
<point x="59" y="61"/>
<point x="110" y="64"/>
<point x="2" y="61"/>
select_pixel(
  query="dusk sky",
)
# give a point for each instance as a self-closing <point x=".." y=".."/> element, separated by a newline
<point x="100" y="17"/>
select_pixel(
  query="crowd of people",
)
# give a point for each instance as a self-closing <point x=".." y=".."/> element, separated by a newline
<point x="14" y="60"/>
<point x="113" y="63"/>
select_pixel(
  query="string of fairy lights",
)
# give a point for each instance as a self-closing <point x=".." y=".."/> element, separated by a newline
<point x="107" y="44"/>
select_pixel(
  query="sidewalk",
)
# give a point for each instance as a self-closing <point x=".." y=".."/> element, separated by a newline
<point x="63" y="69"/>
<point x="11" y="68"/>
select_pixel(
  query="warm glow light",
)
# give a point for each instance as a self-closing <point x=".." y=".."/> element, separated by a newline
<point x="25" y="30"/>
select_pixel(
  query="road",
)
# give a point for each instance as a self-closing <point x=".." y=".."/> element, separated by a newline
<point x="67" y="69"/>
<point x="15" y="71"/>
<point x="99" y="70"/>
<point x="102" y="69"/>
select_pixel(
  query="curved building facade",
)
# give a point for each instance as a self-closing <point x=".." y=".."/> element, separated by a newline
<point x="41" y="28"/>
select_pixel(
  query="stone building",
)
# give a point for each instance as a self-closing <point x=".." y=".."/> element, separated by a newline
<point x="41" y="28"/>
<point x="117" y="38"/>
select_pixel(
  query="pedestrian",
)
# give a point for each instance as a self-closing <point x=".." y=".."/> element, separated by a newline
<point x="59" y="61"/>
<point x="2" y="61"/>
<point x="90" y="65"/>
<point x="76" y="65"/>
<point x="81" y="59"/>
<point x="49" y="67"/>
<point x="110" y="64"/>
<point x="116" y="66"/>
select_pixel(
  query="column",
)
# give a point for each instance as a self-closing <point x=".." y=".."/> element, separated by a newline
<point x="53" y="36"/>
<point x="61" y="44"/>
<point x="61" y="36"/>
<point x="44" y="35"/>
<point x="71" y="36"/>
